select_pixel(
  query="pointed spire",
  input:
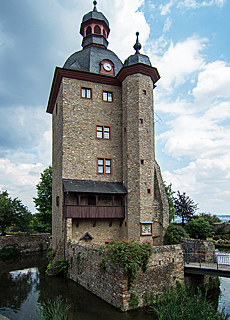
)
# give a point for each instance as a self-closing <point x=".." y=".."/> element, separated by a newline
<point x="137" y="45"/>
<point x="95" y="8"/>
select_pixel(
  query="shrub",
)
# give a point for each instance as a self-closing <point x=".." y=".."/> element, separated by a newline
<point x="173" y="234"/>
<point x="134" y="300"/>
<point x="198" y="228"/>
<point x="59" y="267"/>
<point x="50" y="254"/>
<point x="131" y="256"/>
<point x="9" y="251"/>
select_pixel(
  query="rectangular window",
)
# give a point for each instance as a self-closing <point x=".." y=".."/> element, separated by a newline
<point x="86" y="93"/>
<point x="103" y="132"/>
<point x="104" y="166"/>
<point x="107" y="96"/>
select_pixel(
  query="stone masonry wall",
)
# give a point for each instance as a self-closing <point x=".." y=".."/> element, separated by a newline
<point x="26" y="243"/>
<point x="111" y="284"/>
<point x="57" y="217"/>
<point x="80" y="144"/>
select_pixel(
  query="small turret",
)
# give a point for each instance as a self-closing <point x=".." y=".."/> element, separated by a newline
<point x="94" y="29"/>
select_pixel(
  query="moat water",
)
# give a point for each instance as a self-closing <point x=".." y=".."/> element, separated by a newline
<point x="23" y="285"/>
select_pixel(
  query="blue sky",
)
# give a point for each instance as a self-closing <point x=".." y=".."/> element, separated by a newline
<point x="188" y="41"/>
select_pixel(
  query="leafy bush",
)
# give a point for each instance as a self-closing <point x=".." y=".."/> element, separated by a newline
<point x="9" y="251"/>
<point x="186" y="304"/>
<point x="59" y="267"/>
<point x="54" y="309"/>
<point x="50" y="253"/>
<point x="131" y="256"/>
<point x="134" y="300"/>
<point x="198" y="228"/>
<point x="174" y="233"/>
<point x="211" y="218"/>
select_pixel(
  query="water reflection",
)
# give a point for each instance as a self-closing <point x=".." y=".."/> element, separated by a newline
<point x="23" y="289"/>
<point x="20" y="291"/>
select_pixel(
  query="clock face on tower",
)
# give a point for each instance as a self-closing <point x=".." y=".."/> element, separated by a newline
<point x="107" y="66"/>
<point x="146" y="229"/>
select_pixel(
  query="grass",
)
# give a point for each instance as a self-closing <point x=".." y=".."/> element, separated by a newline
<point x="186" y="304"/>
<point x="56" y="309"/>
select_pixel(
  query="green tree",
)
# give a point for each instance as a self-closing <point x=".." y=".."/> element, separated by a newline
<point x="184" y="206"/>
<point x="42" y="221"/>
<point x="198" y="228"/>
<point x="174" y="233"/>
<point x="169" y="194"/>
<point x="208" y="217"/>
<point x="13" y="214"/>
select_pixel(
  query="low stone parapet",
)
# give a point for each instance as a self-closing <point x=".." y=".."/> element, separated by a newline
<point x="111" y="283"/>
<point x="26" y="243"/>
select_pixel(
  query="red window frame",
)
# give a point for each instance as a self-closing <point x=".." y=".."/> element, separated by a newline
<point x="103" y="132"/>
<point x="91" y="93"/>
<point x="107" y="92"/>
<point x="104" y="165"/>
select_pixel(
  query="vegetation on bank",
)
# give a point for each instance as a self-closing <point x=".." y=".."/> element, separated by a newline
<point x="197" y="226"/>
<point x="9" y="251"/>
<point x="179" y="303"/>
<point x="131" y="256"/>
<point x="55" y="309"/>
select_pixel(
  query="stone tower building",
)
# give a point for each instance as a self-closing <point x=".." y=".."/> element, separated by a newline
<point x="106" y="182"/>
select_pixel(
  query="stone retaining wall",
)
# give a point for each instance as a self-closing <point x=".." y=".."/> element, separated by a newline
<point x="165" y="268"/>
<point x="26" y="243"/>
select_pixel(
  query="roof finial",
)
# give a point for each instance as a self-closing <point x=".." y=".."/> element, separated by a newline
<point x="95" y="8"/>
<point x="137" y="45"/>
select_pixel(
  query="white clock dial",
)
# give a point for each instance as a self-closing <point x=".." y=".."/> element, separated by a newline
<point x="107" y="66"/>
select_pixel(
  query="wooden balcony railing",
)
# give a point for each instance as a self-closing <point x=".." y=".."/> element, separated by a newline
<point x="92" y="212"/>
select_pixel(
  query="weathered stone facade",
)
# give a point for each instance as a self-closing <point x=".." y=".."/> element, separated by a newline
<point x="26" y="243"/>
<point x="120" y="99"/>
<point x="165" y="268"/>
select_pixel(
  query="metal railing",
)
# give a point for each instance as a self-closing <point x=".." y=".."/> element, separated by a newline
<point x="208" y="260"/>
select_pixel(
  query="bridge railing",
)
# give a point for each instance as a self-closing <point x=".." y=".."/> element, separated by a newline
<point x="207" y="260"/>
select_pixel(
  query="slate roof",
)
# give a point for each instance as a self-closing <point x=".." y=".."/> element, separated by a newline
<point x="89" y="60"/>
<point x="137" y="58"/>
<point x="95" y="15"/>
<point x="87" y="186"/>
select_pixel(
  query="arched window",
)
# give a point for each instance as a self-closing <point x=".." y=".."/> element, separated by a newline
<point x="104" y="33"/>
<point x="97" y="29"/>
<point x="88" y="30"/>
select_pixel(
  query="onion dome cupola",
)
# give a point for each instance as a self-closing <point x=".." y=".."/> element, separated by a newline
<point x="94" y="28"/>
<point x="94" y="57"/>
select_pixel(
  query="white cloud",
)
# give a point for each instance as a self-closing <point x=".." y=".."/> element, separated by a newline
<point x="193" y="4"/>
<point x="166" y="8"/>
<point x="213" y="82"/>
<point x="179" y="61"/>
<point x="167" y="24"/>
<point x="125" y="21"/>
<point x="20" y="179"/>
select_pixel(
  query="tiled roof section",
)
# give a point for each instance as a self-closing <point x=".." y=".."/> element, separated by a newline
<point x="90" y="58"/>
<point x="137" y="58"/>
<point x="87" y="186"/>
<point x="95" y="15"/>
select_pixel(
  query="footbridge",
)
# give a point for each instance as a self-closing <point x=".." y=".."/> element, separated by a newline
<point x="215" y="263"/>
